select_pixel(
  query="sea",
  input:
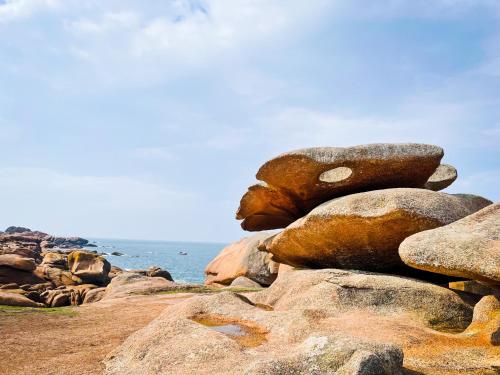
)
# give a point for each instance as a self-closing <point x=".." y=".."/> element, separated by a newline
<point x="185" y="261"/>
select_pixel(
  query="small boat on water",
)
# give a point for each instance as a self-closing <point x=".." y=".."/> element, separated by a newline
<point x="183" y="253"/>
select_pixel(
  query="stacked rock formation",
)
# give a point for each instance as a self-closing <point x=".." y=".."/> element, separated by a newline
<point x="342" y="207"/>
<point x="368" y="247"/>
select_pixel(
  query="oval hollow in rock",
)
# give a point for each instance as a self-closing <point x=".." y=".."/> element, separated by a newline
<point x="246" y="335"/>
<point x="336" y="175"/>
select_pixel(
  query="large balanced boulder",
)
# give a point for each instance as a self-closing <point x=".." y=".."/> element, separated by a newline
<point x="295" y="182"/>
<point x="243" y="258"/>
<point x="89" y="267"/>
<point x="364" y="230"/>
<point x="468" y="248"/>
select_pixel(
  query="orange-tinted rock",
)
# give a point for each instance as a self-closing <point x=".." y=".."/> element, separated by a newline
<point x="12" y="275"/>
<point x="15" y="299"/>
<point x="89" y="267"/>
<point x="242" y="258"/>
<point x="297" y="181"/>
<point x="468" y="248"/>
<point x="364" y="230"/>
<point x="18" y="262"/>
<point x="55" y="260"/>
<point x="56" y="276"/>
<point x="486" y="320"/>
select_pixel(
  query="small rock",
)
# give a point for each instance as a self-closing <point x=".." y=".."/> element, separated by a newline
<point x="245" y="282"/>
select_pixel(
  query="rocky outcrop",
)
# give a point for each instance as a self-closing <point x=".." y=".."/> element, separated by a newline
<point x="24" y="246"/>
<point x="296" y="182"/>
<point x="340" y="290"/>
<point x="467" y="248"/>
<point x="18" y="262"/>
<point x="363" y="231"/>
<point x="89" y="267"/>
<point x="126" y="284"/>
<point x="31" y="267"/>
<point x="70" y="295"/>
<point x="443" y="177"/>
<point x="44" y="239"/>
<point x="244" y="282"/>
<point x="94" y="295"/>
<point x="317" y="322"/>
<point x="15" y="299"/>
<point x="159" y="272"/>
<point x="342" y="355"/>
<point x="12" y="275"/>
<point x="242" y="258"/>
<point x="486" y="320"/>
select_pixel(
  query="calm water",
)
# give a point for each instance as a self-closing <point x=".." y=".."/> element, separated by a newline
<point x="140" y="254"/>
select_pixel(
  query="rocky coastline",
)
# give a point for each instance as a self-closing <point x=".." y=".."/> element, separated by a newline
<point x="361" y="265"/>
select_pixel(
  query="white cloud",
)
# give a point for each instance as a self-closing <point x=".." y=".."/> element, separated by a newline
<point x="12" y="10"/>
<point x="120" y="42"/>
<point x="297" y="127"/>
<point x="105" y="192"/>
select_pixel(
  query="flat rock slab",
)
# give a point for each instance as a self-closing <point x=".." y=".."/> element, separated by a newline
<point x="468" y="248"/>
<point x="364" y="230"/>
<point x="294" y="183"/>
<point x="310" y="322"/>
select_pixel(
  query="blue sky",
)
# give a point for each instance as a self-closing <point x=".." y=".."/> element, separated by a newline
<point x="148" y="119"/>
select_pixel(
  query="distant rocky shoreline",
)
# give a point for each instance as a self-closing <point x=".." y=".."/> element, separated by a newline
<point x="41" y="270"/>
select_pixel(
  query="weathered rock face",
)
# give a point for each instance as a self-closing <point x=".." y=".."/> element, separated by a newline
<point x="15" y="299"/>
<point x="71" y="295"/>
<point x="486" y="320"/>
<point x="57" y="276"/>
<point x="468" y="248"/>
<point x="243" y="258"/>
<point x="12" y="275"/>
<point x="18" y="262"/>
<point x="342" y="355"/>
<point x="126" y="284"/>
<point x="44" y="239"/>
<point x="55" y="260"/>
<point x="297" y="181"/>
<point x="94" y="295"/>
<point x="89" y="267"/>
<point x="364" y="230"/>
<point x="340" y="290"/>
<point x="443" y="177"/>
<point x="158" y="272"/>
<point x="245" y="282"/>
<point x="309" y="322"/>
<point x="24" y="246"/>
